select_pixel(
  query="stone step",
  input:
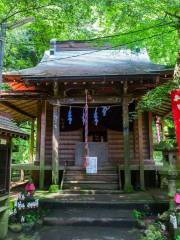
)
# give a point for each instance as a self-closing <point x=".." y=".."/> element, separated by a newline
<point x="86" y="185"/>
<point x="71" y="173"/>
<point x="85" y="211"/>
<point x="89" y="178"/>
<point x="89" y="192"/>
<point x="111" y="202"/>
<point x="79" y="168"/>
<point x="85" y="215"/>
<point x="75" y="178"/>
<point x="89" y="221"/>
<point x="83" y="172"/>
<point x="89" y="233"/>
<point x="104" y="177"/>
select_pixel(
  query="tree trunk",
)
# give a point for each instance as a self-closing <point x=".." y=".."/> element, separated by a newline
<point x="177" y="67"/>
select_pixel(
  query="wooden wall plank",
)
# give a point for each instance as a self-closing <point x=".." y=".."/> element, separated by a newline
<point x="141" y="157"/>
<point x="42" y="146"/>
<point x="150" y="135"/>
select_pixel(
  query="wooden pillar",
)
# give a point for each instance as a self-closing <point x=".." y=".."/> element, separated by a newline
<point x="38" y="133"/>
<point x="127" y="171"/>
<point x="32" y="142"/>
<point x="55" y="145"/>
<point x="141" y="157"/>
<point x="162" y="129"/>
<point x="150" y="118"/>
<point x="42" y="145"/>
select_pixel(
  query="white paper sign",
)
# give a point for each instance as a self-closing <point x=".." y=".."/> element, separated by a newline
<point x="3" y="141"/>
<point x="91" y="165"/>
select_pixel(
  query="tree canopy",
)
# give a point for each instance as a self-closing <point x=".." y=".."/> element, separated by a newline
<point x="135" y="24"/>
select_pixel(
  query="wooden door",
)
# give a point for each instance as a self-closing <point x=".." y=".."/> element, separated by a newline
<point x="4" y="169"/>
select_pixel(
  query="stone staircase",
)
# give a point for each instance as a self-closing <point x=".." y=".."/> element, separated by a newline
<point x="89" y="214"/>
<point x="76" y="179"/>
<point x="95" y="214"/>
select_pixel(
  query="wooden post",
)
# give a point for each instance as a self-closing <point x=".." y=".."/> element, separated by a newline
<point x="22" y="175"/>
<point x="127" y="171"/>
<point x="150" y="118"/>
<point x="55" y="145"/>
<point x="141" y="157"/>
<point x="42" y="146"/>
<point x="38" y="133"/>
<point x="162" y="125"/>
<point x="32" y="142"/>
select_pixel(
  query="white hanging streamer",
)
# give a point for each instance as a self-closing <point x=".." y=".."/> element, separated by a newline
<point x="104" y="110"/>
<point x="70" y="116"/>
<point x="96" y="120"/>
<point x="83" y="117"/>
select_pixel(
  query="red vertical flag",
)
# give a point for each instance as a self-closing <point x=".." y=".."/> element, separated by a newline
<point x="175" y="101"/>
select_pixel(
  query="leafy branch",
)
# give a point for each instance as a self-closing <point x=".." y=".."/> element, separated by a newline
<point x="5" y="87"/>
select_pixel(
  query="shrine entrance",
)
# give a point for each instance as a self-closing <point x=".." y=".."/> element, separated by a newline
<point x="97" y="134"/>
<point x="98" y="147"/>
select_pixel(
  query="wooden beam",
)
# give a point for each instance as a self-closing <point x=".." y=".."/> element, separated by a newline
<point x="31" y="150"/>
<point x="55" y="145"/>
<point x="42" y="146"/>
<point x="141" y="157"/>
<point x="95" y="100"/>
<point x="168" y="114"/>
<point x="22" y="95"/>
<point x="16" y="109"/>
<point x="56" y="89"/>
<point x="127" y="172"/>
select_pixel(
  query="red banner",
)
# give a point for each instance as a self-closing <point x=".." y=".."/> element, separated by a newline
<point x="175" y="101"/>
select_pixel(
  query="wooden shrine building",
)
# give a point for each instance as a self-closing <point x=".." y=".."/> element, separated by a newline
<point x="8" y="130"/>
<point x="53" y="92"/>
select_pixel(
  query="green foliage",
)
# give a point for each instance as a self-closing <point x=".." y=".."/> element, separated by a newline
<point x="137" y="214"/>
<point x="26" y="41"/>
<point x="153" y="232"/>
<point x="22" y="154"/>
<point x="32" y="217"/>
<point x="122" y="16"/>
<point x="31" y="24"/>
<point x="157" y="156"/>
<point x="178" y="237"/>
<point x="154" y="98"/>
<point x="5" y="87"/>
<point x="54" y="188"/>
<point x="178" y="184"/>
<point x="169" y="144"/>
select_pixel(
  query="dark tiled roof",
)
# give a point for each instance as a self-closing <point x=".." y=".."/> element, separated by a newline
<point x="8" y="126"/>
<point x="92" y="63"/>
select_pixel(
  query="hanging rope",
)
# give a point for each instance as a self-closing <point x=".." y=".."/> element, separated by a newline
<point x="158" y="129"/>
<point x="86" y="128"/>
